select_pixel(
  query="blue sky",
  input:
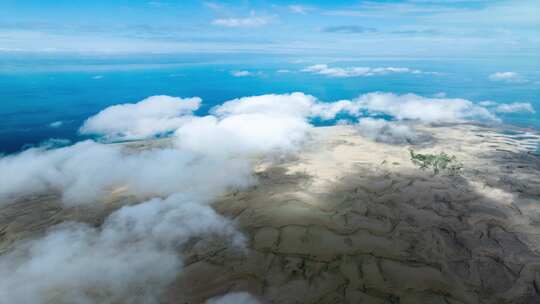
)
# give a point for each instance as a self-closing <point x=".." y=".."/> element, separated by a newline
<point x="433" y="28"/>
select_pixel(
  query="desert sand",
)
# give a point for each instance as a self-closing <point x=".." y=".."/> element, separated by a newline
<point x="351" y="220"/>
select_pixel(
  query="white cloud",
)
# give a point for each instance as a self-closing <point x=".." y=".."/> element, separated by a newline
<point x="324" y="69"/>
<point x="294" y="104"/>
<point x="283" y="71"/>
<point x="234" y="298"/>
<point x="487" y="103"/>
<point x="149" y="117"/>
<point x="381" y="130"/>
<point x="515" y="107"/>
<point x="411" y="106"/>
<point x="329" y="110"/>
<point x="241" y="73"/>
<point x="407" y="107"/>
<point x="88" y="171"/>
<point x="251" y="125"/>
<point x="251" y="21"/>
<point x="117" y="261"/>
<point x="509" y="77"/>
<point x="56" y="124"/>
<point x="299" y="9"/>
<point x="131" y="258"/>
<point x="213" y="6"/>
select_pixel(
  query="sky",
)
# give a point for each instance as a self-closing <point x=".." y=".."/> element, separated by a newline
<point x="393" y="28"/>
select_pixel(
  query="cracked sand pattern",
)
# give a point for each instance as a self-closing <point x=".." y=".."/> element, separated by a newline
<point x="349" y="220"/>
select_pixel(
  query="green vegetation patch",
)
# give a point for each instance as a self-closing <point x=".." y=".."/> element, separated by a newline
<point x="437" y="162"/>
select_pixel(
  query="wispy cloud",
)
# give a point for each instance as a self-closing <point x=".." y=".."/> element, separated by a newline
<point x="408" y="28"/>
<point x="509" y="77"/>
<point x="516" y="107"/>
<point x="157" y="4"/>
<point x="213" y="5"/>
<point x="251" y="21"/>
<point x="299" y="9"/>
<point x="56" y="124"/>
<point x="348" y="29"/>
<point x="324" y="69"/>
<point x="242" y="73"/>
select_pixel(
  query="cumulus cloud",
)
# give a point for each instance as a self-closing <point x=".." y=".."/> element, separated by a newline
<point x="515" y="107"/>
<point x="509" y="77"/>
<point x="294" y="104"/>
<point x="245" y="133"/>
<point x="234" y="298"/>
<point x="431" y="110"/>
<point x="87" y="171"/>
<point x="152" y="116"/>
<point x="329" y="110"/>
<point x="338" y="72"/>
<point x="252" y="124"/>
<point x="251" y="21"/>
<point x="407" y="107"/>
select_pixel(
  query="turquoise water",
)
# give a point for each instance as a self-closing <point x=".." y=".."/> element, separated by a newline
<point x="36" y="92"/>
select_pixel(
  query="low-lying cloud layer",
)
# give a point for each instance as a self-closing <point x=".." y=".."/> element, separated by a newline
<point x="131" y="258"/>
<point x="135" y="254"/>
<point x="431" y="110"/>
<point x="408" y="107"/>
<point x="86" y="171"/>
<point x="381" y="130"/>
<point x="156" y="114"/>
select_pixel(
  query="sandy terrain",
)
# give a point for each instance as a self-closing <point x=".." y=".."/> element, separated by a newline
<point x="349" y="220"/>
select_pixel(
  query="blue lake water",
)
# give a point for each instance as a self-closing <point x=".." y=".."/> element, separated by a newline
<point x="35" y="92"/>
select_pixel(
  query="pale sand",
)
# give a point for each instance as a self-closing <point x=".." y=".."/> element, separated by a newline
<point x="349" y="220"/>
